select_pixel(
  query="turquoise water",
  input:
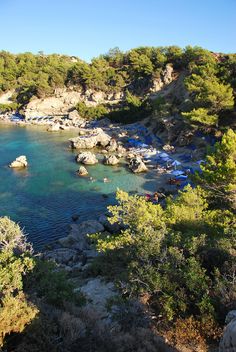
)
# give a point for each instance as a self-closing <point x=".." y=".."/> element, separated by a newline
<point x="43" y="197"/>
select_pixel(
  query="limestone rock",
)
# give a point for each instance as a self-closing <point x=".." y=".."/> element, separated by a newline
<point x="85" y="228"/>
<point x="55" y="127"/>
<point x="97" y="97"/>
<point x="112" y="145"/>
<point x="167" y="74"/>
<point x="57" y="105"/>
<point x="137" y="165"/>
<point x="75" y="118"/>
<point x="93" y="138"/>
<point x="61" y="255"/>
<point x="20" y="162"/>
<point x="98" y="293"/>
<point x="78" y="236"/>
<point x="112" y="228"/>
<point x="228" y="341"/>
<point x="82" y="171"/>
<point x="157" y="85"/>
<point x="110" y="160"/>
<point x="121" y="149"/>
<point x="185" y="138"/>
<point x="86" y="158"/>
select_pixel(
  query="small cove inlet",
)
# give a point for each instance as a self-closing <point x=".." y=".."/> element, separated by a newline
<point x="43" y="197"/>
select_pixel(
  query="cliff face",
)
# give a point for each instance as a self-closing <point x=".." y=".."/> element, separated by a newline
<point x="65" y="99"/>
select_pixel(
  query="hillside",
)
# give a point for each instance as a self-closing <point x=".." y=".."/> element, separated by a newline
<point x="190" y="84"/>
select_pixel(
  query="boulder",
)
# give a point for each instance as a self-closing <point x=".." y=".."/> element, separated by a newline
<point x="93" y="138"/>
<point x="112" y="228"/>
<point x="54" y="127"/>
<point x="86" y="158"/>
<point x="97" y="97"/>
<point x="85" y="228"/>
<point x="98" y="293"/>
<point x="77" y="238"/>
<point x="137" y="165"/>
<point x="110" y="160"/>
<point x="82" y="171"/>
<point x="61" y="255"/>
<point x="184" y="138"/>
<point x="20" y="162"/>
<point x="121" y="149"/>
<point x="112" y="146"/>
<point x="228" y="341"/>
<point x="75" y="118"/>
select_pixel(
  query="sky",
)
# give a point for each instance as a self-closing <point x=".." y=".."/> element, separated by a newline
<point x="88" y="28"/>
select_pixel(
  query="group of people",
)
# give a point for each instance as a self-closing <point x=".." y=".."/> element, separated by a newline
<point x="154" y="198"/>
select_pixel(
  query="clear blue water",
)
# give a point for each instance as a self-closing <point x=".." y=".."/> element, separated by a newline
<point x="43" y="197"/>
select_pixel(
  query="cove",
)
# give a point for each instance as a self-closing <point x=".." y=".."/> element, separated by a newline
<point x="43" y="197"/>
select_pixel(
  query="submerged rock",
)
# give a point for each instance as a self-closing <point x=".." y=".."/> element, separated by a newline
<point x="110" y="160"/>
<point x="87" y="158"/>
<point x="137" y="165"/>
<point x="20" y="162"/>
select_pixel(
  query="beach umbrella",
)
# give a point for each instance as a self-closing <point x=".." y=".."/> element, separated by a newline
<point x="199" y="162"/>
<point x="175" y="163"/>
<point x="181" y="177"/>
<point x="164" y="155"/>
<point x="177" y="172"/>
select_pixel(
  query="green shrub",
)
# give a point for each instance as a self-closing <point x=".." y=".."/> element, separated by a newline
<point x="8" y="107"/>
<point x="91" y="112"/>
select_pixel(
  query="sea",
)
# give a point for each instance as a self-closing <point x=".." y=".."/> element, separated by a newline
<point x="43" y="197"/>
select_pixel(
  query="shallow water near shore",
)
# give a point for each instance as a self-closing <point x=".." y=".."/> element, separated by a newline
<point x="44" y="196"/>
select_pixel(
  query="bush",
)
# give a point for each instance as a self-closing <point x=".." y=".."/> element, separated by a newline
<point x="8" y="107"/>
<point x="52" y="285"/>
<point x="15" y="262"/>
<point x="91" y="112"/>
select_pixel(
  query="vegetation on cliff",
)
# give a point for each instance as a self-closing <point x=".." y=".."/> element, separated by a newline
<point x="209" y="79"/>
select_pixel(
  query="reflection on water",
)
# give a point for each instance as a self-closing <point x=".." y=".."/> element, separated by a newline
<point x="44" y="197"/>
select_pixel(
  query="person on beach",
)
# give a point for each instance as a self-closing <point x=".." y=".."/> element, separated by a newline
<point x="147" y="197"/>
<point x="155" y="198"/>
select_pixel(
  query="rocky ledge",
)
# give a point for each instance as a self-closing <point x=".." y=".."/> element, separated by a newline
<point x="74" y="254"/>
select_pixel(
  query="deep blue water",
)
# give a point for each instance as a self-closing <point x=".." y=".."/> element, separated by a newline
<point x="43" y="197"/>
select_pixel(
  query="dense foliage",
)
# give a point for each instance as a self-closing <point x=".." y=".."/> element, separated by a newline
<point x="183" y="256"/>
<point x="209" y="78"/>
<point x="15" y="262"/>
<point x="23" y="276"/>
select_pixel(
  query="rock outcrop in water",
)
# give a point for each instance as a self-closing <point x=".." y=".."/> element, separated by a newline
<point x="82" y="171"/>
<point x="91" y="138"/>
<point x="110" y="160"/>
<point x="137" y="165"/>
<point x="87" y="158"/>
<point x="20" y="162"/>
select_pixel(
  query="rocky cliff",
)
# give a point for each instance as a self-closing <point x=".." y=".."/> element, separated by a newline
<point x="65" y="99"/>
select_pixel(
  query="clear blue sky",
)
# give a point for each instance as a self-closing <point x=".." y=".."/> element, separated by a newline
<point x="87" y="28"/>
